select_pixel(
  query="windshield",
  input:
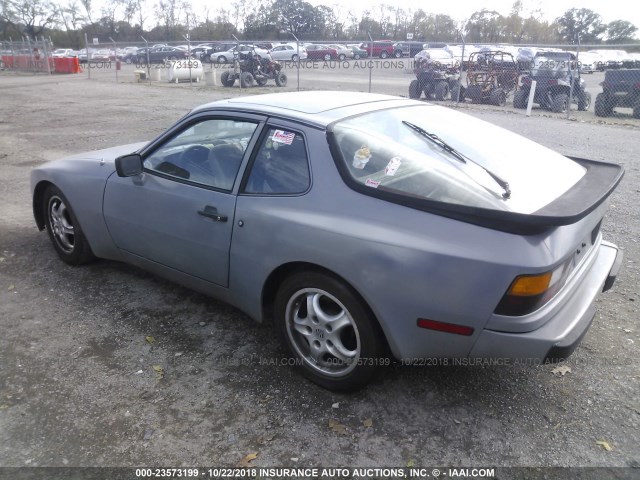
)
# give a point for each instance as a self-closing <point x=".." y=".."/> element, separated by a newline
<point x="389" y="151"/>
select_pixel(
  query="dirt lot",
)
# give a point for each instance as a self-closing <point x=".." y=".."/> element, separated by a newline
<point x="80" y="385"/>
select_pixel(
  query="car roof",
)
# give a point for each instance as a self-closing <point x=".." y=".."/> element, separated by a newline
<point x="318" y="108"/>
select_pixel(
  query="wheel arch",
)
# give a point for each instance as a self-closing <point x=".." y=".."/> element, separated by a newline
<point x="281" y="273"/>
<point x="38" y="198"/>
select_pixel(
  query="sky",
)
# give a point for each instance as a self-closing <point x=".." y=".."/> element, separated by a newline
<point x="609" y="10"/>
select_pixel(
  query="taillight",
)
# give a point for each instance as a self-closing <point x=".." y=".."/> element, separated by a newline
<point x="527" y="293"/>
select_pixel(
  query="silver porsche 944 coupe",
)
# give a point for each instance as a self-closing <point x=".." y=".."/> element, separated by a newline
<point x="364" y="226"/>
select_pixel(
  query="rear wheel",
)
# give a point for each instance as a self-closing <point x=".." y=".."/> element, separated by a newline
<point x="397" y="54"/>
<point x="261" y="81"/>
<point x="222" y="59"/>
<point x="281" y="79"/>
<point x="441" y="91"/>
<point x="383" y="55"/>
<point x="342" y="57"/>
<point x="327" y="57"/>
<point x="64" y="229"/>
<point x="329" y="330"/>
<point x="498" y="97"/>
<point x="560" y="103"/>
<point x="294" y="57"/>
<point x="414" y="89"/>
<point x="520" y="99"/>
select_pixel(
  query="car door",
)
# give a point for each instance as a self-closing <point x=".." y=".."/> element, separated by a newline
<point x="179" y="212"/>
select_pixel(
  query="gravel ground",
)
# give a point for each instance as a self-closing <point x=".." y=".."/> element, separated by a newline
<point x="80" y="385"/>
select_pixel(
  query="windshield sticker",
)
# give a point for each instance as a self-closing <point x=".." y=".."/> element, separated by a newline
<point x="361" y="157"/>
<point x="372" y="183"/>
<point x="393" y="166"/>
<point x="281" y="136"/>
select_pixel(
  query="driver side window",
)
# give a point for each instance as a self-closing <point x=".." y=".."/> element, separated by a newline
<point x="208" y="153"/>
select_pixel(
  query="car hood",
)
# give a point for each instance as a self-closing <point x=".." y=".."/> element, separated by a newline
<point x="107" y="155"/>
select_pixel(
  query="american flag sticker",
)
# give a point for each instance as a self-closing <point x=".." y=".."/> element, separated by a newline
<point x="281" y="136"/>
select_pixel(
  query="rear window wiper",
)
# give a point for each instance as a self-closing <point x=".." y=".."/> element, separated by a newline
<point x="459" y="156"/>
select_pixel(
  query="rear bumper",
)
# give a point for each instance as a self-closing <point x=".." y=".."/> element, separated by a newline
<point x="558" y="337"/>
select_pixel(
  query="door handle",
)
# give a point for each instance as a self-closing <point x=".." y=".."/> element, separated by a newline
<point x="212" y="212"/>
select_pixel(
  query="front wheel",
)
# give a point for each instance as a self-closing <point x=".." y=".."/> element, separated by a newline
<point x="63" y="228"/>
<point x="498" y="97"/>
<point x="227" y="79"/>
<point x="222" y="59"/>
<point x="560" y="103"/>
<point x="520" y="99"/>
<point x="342" y="57"/>
<point x="384" y="55"/>
<point x="328" y="330"/>
<point x="584" y="101"/>
<point x="246" y="80"/>
<point x="414" y="89"/>
<point x="441" y="91"/>
<point x="281" y="79"/>
<point x="294" y="58"/>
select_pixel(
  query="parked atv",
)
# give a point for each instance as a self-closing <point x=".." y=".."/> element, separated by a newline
<point x="621" y="88"/>
<point x="492" y="76"/>
<point x="554" y="73"/>
<point x="435" y="79"/>
<point x="251" y="68"/>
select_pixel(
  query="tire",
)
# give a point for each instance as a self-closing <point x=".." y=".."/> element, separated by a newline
<point x="454" y="93"/>
<point x="498" y="97"/>
<point x="246" y="80"/>
<point x="357" y="56"/>
<point x="520" y="99"/>
<point x="397" y="54"/>
<point x="64" y="229"/>
<point x="584" y="101"/>
<point x="222" y="59"/>
<point x="261" y="81"/>
<point x="560" y="103"/>
<point x="281" y="79"/>
<point x="327" y="57"/>
<point x="602" y="106"/>
<point x="342" y="57"/>
<point x="383" y="55"/>
<point x="294" y="57"/>
<point x="332" y="339"/>
<point x="414" y="89"/>
<point x="128" y="61"/>
<point x="441" y="91"/>
<point x="226" y="79"/>
<point x="173" y="58"/>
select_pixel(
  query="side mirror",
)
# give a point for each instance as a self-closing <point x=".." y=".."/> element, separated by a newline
<point x="129" y="165"/>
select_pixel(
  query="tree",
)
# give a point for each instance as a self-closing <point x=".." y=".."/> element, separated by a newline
<point x="485" y="26"/>
<point x="32" y="17"/>
<point x="621" y="31"/>
<point x="295" y="16"/>
<point x="583" y="24"/>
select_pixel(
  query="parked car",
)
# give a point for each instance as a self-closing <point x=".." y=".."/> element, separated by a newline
<point x="62" y="52"/>
<point x="407" y="49"/>
<point x="229" y="55"/>
<point x="621" y="88"/>
<point x="161" y="54"/>
<point x="360" y="224"/>
<point x="100" y="56"/>
<point x="321" y="52"/>
<point x="382" y="49"/>
<point x="343" y="51"/>
<point x="358" y="52"/>
<point x="589" y="62"/>
<point x="288" y="52"/>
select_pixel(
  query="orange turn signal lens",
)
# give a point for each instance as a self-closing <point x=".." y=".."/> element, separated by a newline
<point x="529" y="285"/>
